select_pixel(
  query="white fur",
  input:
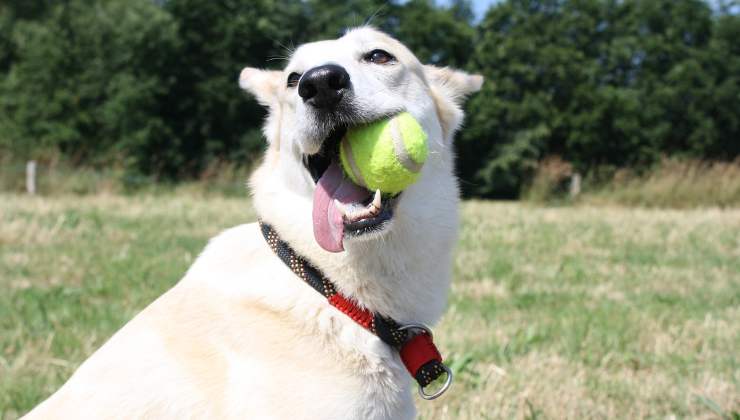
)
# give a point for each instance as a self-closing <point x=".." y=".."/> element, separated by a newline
<point x="240" y="336"/>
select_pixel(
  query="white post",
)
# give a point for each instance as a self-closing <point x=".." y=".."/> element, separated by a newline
<point x="31" y="177"/>
<point x="575" y="185"/>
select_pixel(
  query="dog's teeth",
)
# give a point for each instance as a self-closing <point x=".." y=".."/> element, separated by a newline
<point x="374" y="208"/>
<point x="341" y="207"/>
<point x="377" y="200"/>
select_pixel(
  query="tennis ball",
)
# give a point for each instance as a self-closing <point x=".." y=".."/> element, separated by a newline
<point x="386" y="155"/>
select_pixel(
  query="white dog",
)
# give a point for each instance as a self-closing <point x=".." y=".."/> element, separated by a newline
<point x="242" y="335"/>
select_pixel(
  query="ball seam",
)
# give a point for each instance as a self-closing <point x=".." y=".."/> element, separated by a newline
<point x="350" y="157"/>
<point x="402" y="155"/>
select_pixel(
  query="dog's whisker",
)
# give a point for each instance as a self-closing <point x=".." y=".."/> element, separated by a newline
<point x="369" y="20"/>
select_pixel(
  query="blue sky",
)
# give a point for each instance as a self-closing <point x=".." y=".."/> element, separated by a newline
<point x="479" y="6"/>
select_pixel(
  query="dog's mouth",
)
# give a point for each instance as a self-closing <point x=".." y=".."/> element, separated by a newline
<point x="342" y="208"/>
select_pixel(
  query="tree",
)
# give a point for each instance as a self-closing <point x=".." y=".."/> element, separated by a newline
<point x="725" y="59"/>
<point x="12" y="11"/>
<point x="87" y="82"/>
<point x="435" y="34"/>
<point x="598" y="82"/>
<point x="534" y="66"/>
<point x="206" y="110"/>
<point x="152" y="85"/>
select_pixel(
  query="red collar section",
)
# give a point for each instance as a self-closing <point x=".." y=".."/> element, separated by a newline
<point x="414" y="342"/>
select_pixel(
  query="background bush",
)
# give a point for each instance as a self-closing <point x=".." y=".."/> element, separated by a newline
<point x="149" y="87"/>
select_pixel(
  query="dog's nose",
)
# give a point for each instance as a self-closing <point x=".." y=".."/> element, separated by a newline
<point x="324" y="86"/>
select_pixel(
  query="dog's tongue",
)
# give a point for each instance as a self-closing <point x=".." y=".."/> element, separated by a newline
<point x="328" y="226"/>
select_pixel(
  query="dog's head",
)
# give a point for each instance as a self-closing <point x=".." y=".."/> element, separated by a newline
<point x="327" y="87"/>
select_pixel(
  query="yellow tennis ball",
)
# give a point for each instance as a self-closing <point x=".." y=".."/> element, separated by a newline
<point x="386" y="155"/>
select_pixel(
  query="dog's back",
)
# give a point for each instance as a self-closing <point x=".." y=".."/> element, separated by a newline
<point x="238" y="337"/>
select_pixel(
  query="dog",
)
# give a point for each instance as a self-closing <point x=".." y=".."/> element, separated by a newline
<point x="242" y="335"/>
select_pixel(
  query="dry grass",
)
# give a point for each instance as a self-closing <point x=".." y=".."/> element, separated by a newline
<point x="674" y="183"/>
<point x="55" y="177"/>
<point x="572" y="312"/>
<point x="550" y="182"/>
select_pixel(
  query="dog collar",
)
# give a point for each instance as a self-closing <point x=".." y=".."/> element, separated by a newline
<point x="414" y="342"/>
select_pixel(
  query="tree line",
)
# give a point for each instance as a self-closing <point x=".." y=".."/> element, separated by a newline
<point x="150" y="86"/>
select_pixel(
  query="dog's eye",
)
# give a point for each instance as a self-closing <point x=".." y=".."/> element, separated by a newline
<point x="379" y="57"/>
<point x="293" y="79"/>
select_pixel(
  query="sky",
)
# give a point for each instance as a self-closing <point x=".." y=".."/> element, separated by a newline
<point x="479" y="6"/>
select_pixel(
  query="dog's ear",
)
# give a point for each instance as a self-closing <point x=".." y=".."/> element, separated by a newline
<point x="455" y="84"/>
<point x="449" y="89"/>
<point x="263" y="84"/>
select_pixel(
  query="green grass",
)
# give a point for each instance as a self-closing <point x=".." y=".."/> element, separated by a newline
<point x="570" y="312"/>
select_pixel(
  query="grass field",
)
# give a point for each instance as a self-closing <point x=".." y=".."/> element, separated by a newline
<point x="570" y="312"/>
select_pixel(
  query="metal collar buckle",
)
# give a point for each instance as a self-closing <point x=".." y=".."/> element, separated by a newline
<point x="426" y="330"/>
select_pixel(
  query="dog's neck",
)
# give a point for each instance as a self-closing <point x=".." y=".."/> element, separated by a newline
<point x="404" y="274"/>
